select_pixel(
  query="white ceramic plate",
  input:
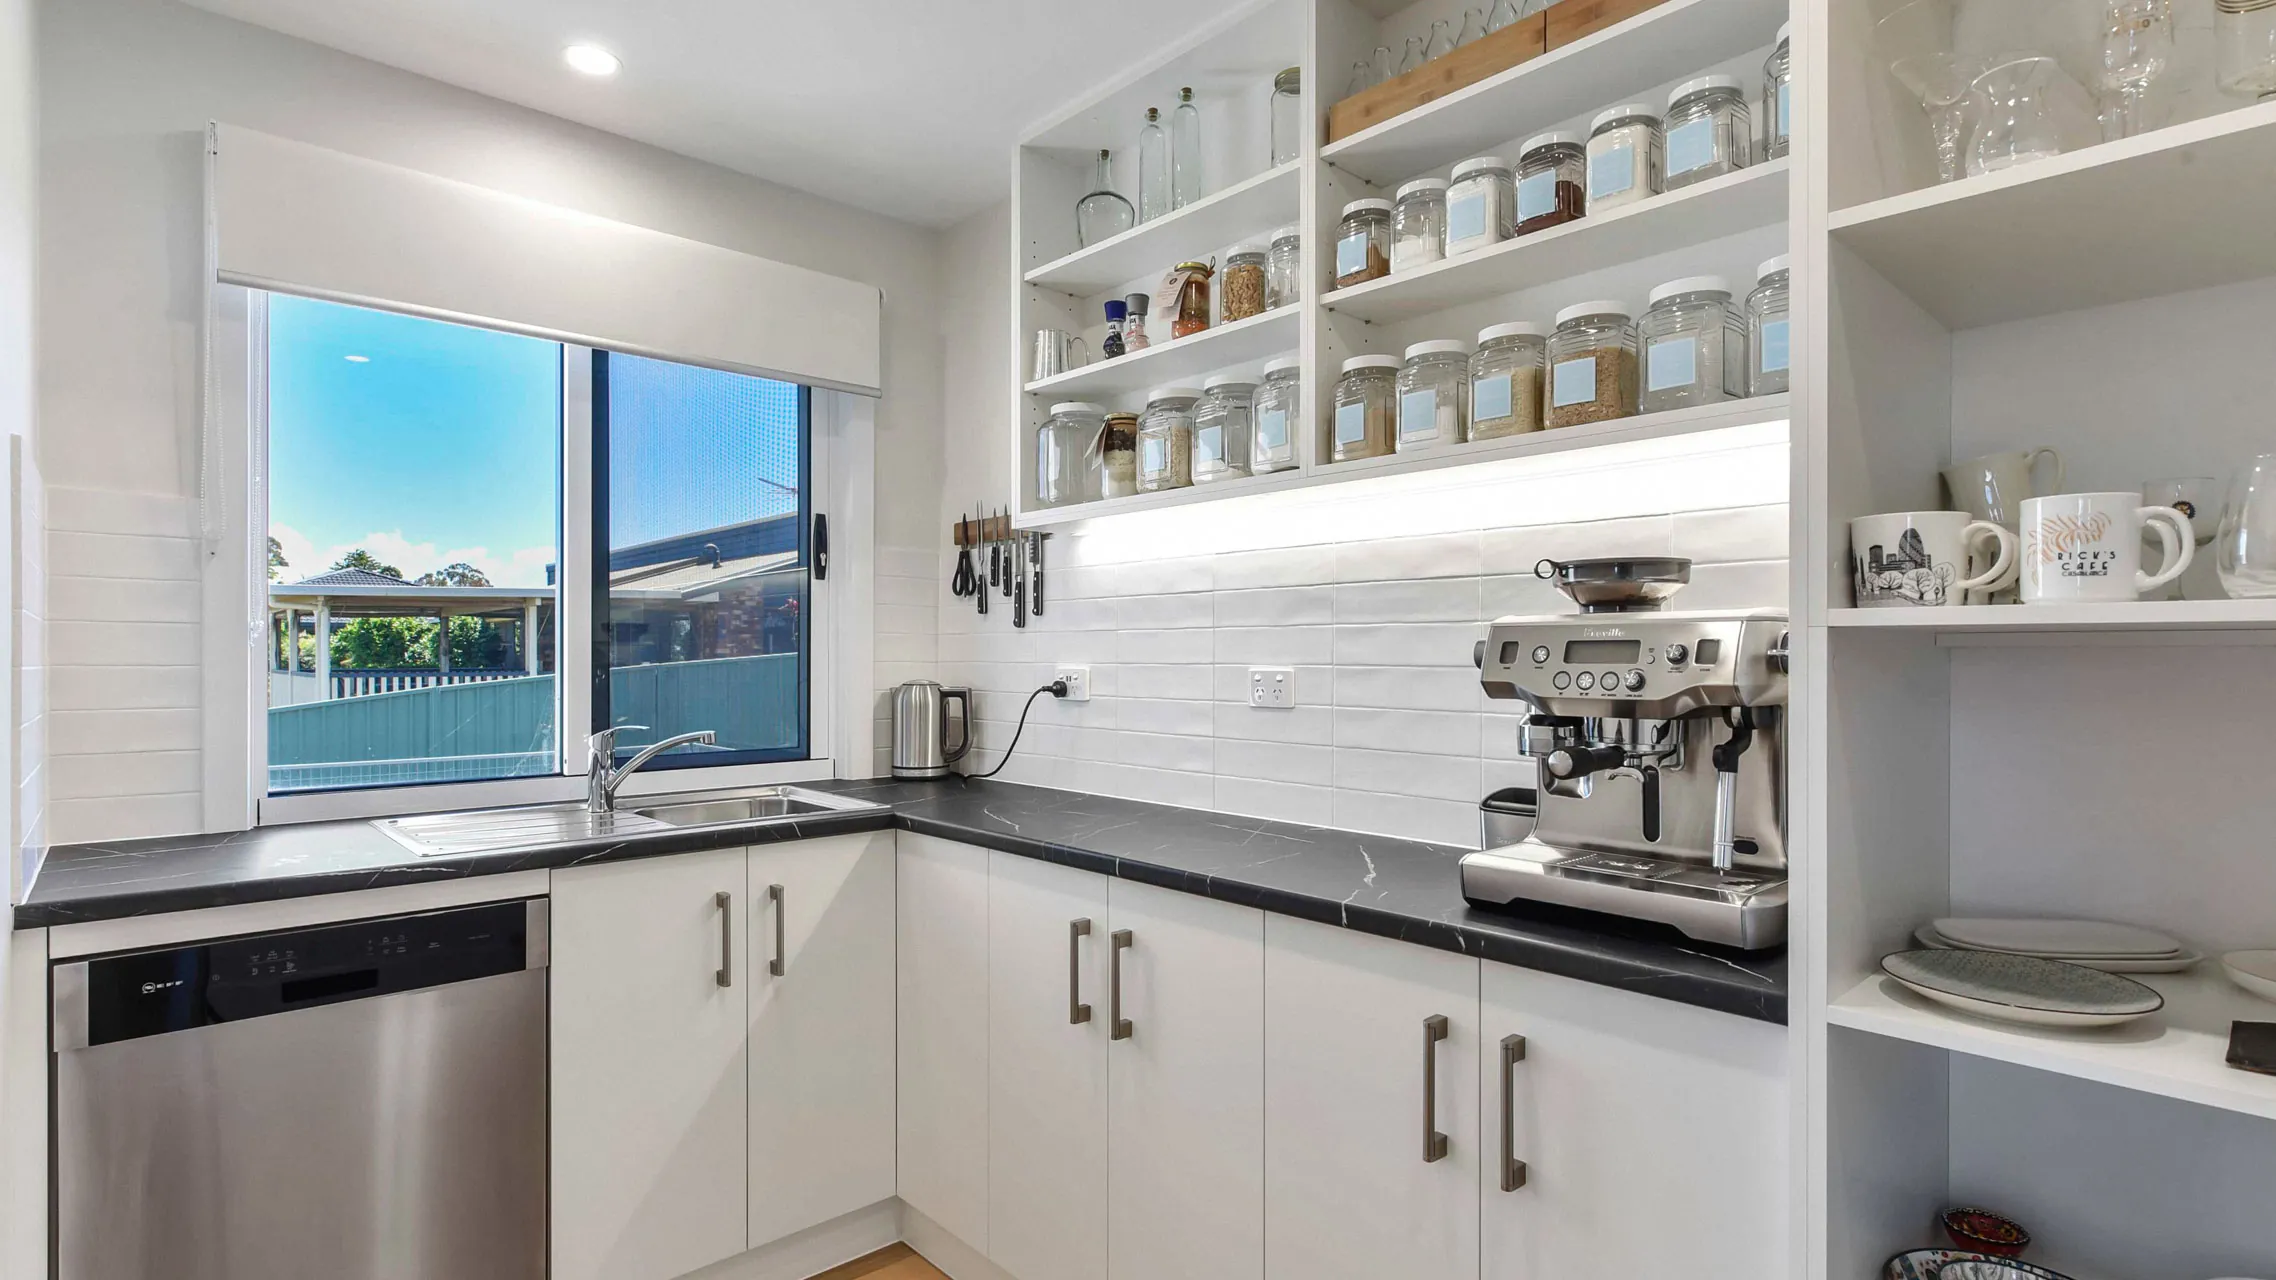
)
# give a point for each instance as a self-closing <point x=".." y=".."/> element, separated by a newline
<point x="2255" y="971"/>
<point x="1927" y="936"/>
<point x="2057" y="939"/>
<point x="2022" y="989"/>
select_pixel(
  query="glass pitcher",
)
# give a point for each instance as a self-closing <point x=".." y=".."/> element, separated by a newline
<point x="2015" y="121"/>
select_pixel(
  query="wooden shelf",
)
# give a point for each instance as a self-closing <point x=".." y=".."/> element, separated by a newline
<point x="1695" y="215"/>
<point x="1675" y="39"/>
<point x="2178" y="1052"/>
<point x="2027" y="619"/>
<point x="2183" y="208"/>
<point x="1248" y="209"/>
<point x="1250" y="341"/>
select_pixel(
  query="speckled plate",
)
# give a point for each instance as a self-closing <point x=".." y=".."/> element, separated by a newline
<point x="2187" y="959"/>
<point x="2022" y="989"/>
<point x="1928" y="1264"/>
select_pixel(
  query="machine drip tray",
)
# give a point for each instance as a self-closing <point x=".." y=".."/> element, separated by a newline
<point x="1739" y="908"/>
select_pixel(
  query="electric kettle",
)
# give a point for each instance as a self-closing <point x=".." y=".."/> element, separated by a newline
<point x="921" y="729"/>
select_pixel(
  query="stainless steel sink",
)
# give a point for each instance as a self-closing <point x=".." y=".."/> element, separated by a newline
<point x="765" y="805"/>
<point x="439" y="835"/>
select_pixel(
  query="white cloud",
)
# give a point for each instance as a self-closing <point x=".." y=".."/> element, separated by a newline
<point x="524" y="567"/>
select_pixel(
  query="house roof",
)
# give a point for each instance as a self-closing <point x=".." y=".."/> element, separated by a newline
<point x="351" y="578"/>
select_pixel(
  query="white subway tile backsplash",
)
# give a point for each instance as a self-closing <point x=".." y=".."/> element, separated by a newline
<point x="123" y="772"/>
<point x="905" y="619"/>
<point x="1164" y="577"/>
<point x="1408" y="688"/>
<point x="1422" y="600"/>
<point x="1732" y="534"/>
<point x="1238" y="721"/>
<point x="123" y="688"/>
<point x="1275" y="646"/>
<point x="123" y="817"/>
<point x="115" y="644"/>
<point x="1517" y="550"/>
<point x="94" y="732"/>
<point x="907" y="562"/>
<point x="1276" y="607"/>
<point x="1405" y="773"/>
<point x="1189" y="645"/>
<point x="1444" y="733"/>
<point x="1520" y="593"/>
<point x="1194" y="609"/>
<point x="1430" y="644"/>
<point x="108" y="555"/>
<point x="1281" y="567"/>
<point x="1168" y="751"/>
<point x="1158" y="715"/>
<point x="1760" y="584"/>
<point x="1449" y="822"/>
<point x="1148" y="680"/>
<point x="1444" y="555"/>
<point x="1275" y="761"/>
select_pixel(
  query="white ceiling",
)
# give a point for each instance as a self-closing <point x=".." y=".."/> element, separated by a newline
<point x="907" y="107"/>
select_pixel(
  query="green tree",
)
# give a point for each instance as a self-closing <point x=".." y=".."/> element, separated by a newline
<point x="368" y="644"/>
<point x="276" y="558"/>
<point x="461" y="574"/>
<point x="366" y="561"/>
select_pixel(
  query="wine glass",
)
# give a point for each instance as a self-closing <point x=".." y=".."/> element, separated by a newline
<point x="2247" y="558"/>
<point x="1917" y="40"/>
<point x="2137" y="46"/>
<point x="2016" y="124"/>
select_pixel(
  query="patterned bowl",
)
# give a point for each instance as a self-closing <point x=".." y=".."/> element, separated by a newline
<point x="1985" y="1232"/>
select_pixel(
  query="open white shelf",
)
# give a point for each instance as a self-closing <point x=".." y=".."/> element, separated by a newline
<point x="2178" y="1052"/>
<point x="2141" y="615"/>
<point x="1200" y="230"/>
<point x="1597" y="71"/>
<point x="2183" y="208"/>
<point x="1250" y="341"/>
<point x="1695" y="215"/>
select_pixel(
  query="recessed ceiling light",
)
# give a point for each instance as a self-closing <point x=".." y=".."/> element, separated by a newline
<point x="591" y="59"/>
<point x="357" y="359"/>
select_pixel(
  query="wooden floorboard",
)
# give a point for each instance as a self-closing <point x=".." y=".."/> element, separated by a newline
<point x="896" y="1262"/>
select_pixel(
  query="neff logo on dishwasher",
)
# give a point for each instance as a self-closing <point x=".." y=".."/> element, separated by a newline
<point x="151" y="988"/>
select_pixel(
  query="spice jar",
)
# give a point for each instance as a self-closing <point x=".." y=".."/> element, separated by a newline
<point x="1116" y="312"/>
<point x="1066" y="454"/>
<point x="1418" y="225"/>
<point x="1505" y="381"/>
<point x="1363" y="243"/>
<point x="1481" y="206"/>
<point x="1118" y="456"/>
<point x="1279" y="402"/>
<point x="1221" y="428"/>
<point x="1766" y="329"/>
<point x="1244" y="290"/>
<point x="1165" y="439"/>
<point x="1592" y="365"/>
<point x="1284" y="267"/>
<point x="1434" y="395"/>
<point x="1134" y="326"/>
<point x="1778" y="96"/>
<point x="1695" y="345"/>
<point x="1365" y="398"/>
<point x="1552" y="181"/>
<point x="1186" y="293"/>
<point x="1624" y="155"/>
<point x="1709" y="130"/>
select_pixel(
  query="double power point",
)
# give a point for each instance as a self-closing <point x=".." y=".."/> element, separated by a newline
<point x="1078" y="683"/>
<point x="1272" y="687"/>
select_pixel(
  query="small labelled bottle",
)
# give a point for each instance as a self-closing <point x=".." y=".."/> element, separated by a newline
<point x="1153" y="168"/>
<point x="1186" y="186"/>
<point x="1116" y="311"/>
<point x="1134" y="337"/>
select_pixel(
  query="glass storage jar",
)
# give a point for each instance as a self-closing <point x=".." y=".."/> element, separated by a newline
<point x="1284" y="267"/>
<point x="1695" y="345"/>
<point x="1434" y="395"/>
<point x="1363" y="243"/>
<point x="1221" y="428"/>
<point x="1418" y="225"/>
<point x="1279" y="404"/>
<point x="1066" y="454"/>
<point x="1192" y="313"/>
<point x="1592" y="365"/>
<point x="1624" y="157"/>
<point x="1505" y="381"/>
<point x="1287" y="115"/>
<point x="1766" y="330"/>
<point x="1552" y="181"/>
<point x="1165" y="439"/>
<point x="1709" y="130"/>
<point x="1366" y="398"/>
<point x="1118" y="456"/>
<point x="1241" y="289"/>
<point x="1481" y="205"/>
<point x="1778" y="96"/>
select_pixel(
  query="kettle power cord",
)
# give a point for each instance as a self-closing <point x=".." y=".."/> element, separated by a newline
<point x="1057" y="689"/>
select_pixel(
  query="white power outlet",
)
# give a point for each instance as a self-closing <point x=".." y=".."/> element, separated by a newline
<point x="1078" y="683"/>
<point x="1272" y="686"/>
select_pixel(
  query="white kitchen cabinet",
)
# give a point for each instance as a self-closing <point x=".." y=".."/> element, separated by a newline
<point x="1185" y="1087"/>
<point x="941" y="951"/>
<point x="1047" y="1156"/>
<point x="649" y="1075"/>
<point x="1356" y="1079"/>
<point x="1652" y="1135"/>
<point x="821" y="1030"/>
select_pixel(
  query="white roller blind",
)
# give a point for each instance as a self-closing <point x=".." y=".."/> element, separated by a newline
<point x="295" y="218"/>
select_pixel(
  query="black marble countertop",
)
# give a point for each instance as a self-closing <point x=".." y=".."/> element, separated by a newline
<point x="1393" y="888"/>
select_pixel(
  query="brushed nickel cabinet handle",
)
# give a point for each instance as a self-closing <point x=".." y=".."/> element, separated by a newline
<point x="1120" y="941"/>
<point x="775" y="896"/>
<point x="1077" y="1011"/>
<point x="1513" y="1169"/>
<point x="725" y="901"/>
<point x="1434" y="1142"/>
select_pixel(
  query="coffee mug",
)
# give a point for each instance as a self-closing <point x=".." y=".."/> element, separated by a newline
<point x="1995" y="486"/>
<point x="1915" y="559"/>
<point x="2088" y="547"/>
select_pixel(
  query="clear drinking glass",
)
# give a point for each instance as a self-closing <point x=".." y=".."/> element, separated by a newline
<point x="2137" y="46"/>
<point x="2244" y="35"/>
<point x="2016" y="123"/>
<point x="1917" y="40"/>
<point x="2247" y="553"/>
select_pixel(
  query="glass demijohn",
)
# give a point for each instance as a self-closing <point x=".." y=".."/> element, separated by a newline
<point x="1103" y="214"/>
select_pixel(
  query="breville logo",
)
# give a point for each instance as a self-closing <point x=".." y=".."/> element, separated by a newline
<point x="1600" y="633"/>
<point x="149" y="988"/>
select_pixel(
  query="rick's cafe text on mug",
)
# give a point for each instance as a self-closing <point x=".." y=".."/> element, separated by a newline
<point x="2082" y="547"/>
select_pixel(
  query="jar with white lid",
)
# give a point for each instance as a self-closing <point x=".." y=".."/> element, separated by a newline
<point x="1592" y="365"/>
<point x="1363" y="243"/>
<point x="1552" y="181"/>
<point x="1695" y="345"/>
<point x="1279" y="405"/>
<point x="1283" y="268"/>
<point x="1709" y="130"/>
<point x="1066" y="454"/>
<point x="1434" y="395"/>
<point x="1221" y="428"/>
<point x="1241" y="284"/>
<point x="1505" y="380"/>
<point x="1418" y="225"/>
<point x="1778" y="96"/>
<point x="1624" y="157"/>
<point x="1366" y="409"/>
<point x="1481" y="205"/>
<point x="1766" y="330"/>
<point x="1165" y="439"/>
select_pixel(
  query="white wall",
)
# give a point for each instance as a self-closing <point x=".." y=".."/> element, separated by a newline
<point x="22" y="1189"/>
<point x="127" y="87"/>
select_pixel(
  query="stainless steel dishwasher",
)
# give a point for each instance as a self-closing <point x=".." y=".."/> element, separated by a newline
<point x="360" y="1101"/>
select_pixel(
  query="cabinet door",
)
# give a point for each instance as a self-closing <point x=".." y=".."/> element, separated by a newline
<point x="941" y="904"/>
<point x="822" y="1055"/>
<point x="1653" y="1135"/>
<point x="649" y="1079"/>
<point x="1352" y="1186"/>
<point x="1185" y="1088"/>
<point x="1046" y="1070"/>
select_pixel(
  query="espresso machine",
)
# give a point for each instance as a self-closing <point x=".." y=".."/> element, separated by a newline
<point x="1659" y="737"/>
